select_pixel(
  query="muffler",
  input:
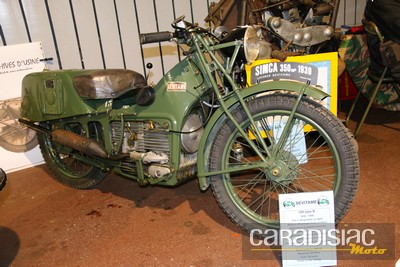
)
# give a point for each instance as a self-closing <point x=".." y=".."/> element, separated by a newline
<point x="72" y="140"/>
<point x="78" y="142"/>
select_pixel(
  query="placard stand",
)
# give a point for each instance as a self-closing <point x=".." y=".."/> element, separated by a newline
<point x="307" y="233"/>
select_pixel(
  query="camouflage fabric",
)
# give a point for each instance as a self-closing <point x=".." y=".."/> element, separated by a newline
<point x="354" y="51"/>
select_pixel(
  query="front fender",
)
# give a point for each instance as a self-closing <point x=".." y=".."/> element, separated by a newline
<point x="218" y="118"/>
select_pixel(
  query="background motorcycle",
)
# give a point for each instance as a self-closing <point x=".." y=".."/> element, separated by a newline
<point x="291" y="28"/>
<point x="302" y="26"/>
<point x="248" y="143"/>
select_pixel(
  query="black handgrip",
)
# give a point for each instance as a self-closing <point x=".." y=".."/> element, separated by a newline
<point x="155" y="37"/>
<point x="46" y="59"/>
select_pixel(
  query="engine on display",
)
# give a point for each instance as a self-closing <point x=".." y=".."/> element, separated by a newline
<point x="297" y="26"/>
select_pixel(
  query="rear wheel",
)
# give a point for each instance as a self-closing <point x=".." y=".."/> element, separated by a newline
<point x="318" y="155"/>
<point x="67" y="169"/>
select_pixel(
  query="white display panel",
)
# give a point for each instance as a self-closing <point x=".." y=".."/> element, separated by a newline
<point x="16" y="61"/>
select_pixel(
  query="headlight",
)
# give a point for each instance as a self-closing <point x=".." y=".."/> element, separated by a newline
<point x="255" y="48"/>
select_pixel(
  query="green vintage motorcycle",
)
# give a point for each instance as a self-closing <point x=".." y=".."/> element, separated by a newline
<point x="249" y="143"/>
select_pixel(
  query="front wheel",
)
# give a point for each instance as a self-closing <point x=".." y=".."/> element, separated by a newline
<point x="318" y="154"/>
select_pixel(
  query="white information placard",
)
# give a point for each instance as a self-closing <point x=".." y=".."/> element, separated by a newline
<point x="18" y="144"/>
<point x="307" y="233"/>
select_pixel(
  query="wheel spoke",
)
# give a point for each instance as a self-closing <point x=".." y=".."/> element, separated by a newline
<point x="310" y="159"/>
<point x="64" y="163"/>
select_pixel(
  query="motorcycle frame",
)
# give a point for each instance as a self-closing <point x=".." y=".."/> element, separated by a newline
<point x="238" y="97"/>
<point x="170" y="108"/>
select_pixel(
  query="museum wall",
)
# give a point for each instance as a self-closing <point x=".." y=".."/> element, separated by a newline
<point x="104" y="33"/>
<point x="97" y="33"/>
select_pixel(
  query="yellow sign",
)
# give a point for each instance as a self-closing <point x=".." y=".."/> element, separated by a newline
<point x="320" y="69"/>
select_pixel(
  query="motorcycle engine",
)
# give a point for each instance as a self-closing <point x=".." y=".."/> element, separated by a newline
<point x="301" y="24"/>
<point x="149" y="142"/>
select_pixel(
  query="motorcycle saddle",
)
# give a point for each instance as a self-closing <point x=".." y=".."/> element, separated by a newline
<point x="109" y="83"/>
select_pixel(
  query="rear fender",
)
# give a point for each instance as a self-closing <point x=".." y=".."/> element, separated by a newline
<point x="218" y="118"/>
<point x="51" y="95"/>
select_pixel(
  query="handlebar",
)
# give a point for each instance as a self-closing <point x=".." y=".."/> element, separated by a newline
<point x="155" y="37"/>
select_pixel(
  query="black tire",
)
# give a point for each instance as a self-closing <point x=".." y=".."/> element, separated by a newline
<point x="65" y="168"/>
<point x="250" y="198"/>
<point x="3" y="179"/>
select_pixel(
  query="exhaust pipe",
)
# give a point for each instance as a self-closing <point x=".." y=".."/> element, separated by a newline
<point x="75" y="141"/>
<point x="72" y="140"/>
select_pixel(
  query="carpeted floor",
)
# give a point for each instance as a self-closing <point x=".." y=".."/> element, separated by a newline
<point x="43" y="223"/>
